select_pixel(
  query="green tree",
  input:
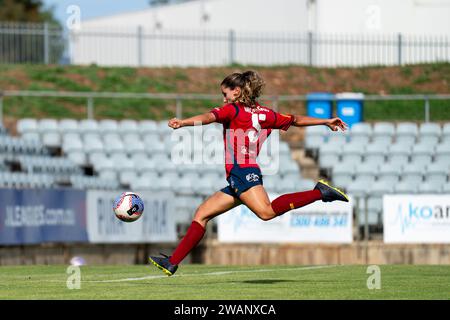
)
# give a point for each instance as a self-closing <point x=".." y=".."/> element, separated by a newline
<point x="25" y="11"/>
<point x="22" y="45"/>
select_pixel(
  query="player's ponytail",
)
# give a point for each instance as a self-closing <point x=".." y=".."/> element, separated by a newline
<point x="251" y="85"/>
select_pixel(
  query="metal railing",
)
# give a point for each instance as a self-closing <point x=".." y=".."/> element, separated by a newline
<point x="178" y="98"/>
<point x="140" y="46"/>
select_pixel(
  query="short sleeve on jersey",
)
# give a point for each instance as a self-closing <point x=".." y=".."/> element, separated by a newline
<point x="225" y="114"/>
<point x="283" y="121"/>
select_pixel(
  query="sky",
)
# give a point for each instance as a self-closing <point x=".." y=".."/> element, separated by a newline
<point x="95" y="8"/>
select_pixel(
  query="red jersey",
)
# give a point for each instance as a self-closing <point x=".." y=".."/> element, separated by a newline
<point x="245" y="129"/>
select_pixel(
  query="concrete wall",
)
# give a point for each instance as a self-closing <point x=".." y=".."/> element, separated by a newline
<point x="213" y="253"/>
<point x="318" y="254"/>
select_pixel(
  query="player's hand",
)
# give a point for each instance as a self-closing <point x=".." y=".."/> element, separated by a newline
<point x="175" y="123"/>
<point x="336" y="123"/>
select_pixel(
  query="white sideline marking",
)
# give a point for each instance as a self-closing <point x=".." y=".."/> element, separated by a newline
<point x="217" y="273"/>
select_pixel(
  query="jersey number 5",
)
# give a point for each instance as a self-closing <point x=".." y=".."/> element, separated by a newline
<point x="254" y="135"/>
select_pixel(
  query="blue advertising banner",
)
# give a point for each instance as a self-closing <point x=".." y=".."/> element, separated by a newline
<point x="37" y="216"/>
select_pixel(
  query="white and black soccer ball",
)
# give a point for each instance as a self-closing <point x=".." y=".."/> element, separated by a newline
<point x="128" y="207"/>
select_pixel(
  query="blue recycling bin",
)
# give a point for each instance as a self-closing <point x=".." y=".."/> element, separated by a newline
<point x="319" y="104"/>
<point x="349" y="107"/>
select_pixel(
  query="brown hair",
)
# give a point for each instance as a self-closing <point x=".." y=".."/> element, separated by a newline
<point x="251" y="85"/>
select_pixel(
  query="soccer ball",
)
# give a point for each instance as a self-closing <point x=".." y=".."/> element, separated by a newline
<point x="128" y="207"/>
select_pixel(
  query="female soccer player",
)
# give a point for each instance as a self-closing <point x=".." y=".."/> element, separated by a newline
<point x="246" y="125"/>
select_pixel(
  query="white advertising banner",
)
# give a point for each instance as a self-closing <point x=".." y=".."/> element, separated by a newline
<point x="318" y="222"/>
<point x="416" y="218"/>
<point x="156" y="224"/>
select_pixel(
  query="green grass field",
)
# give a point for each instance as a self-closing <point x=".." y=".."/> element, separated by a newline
<point x="200" y="282"/>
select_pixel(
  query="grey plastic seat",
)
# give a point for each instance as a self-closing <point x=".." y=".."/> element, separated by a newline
<point x="344" y="171"/>
<point x="399" y="152"/>
<point x="147" y="127"/>
<point x="320" y="131"/>
<point x="407" y="129"/>
<point x="413" y="173"/>
<point x="406" y="140"/>
<point x="337" y="139"/>
<point x="48" y="125"/>
<point x="314" y="141"/>
<point x="422" y="153"/>
<point x="357" y="188"/>
<point x="361" y="129"/>
<point x="104" y="164"/>
<point x="107" y="174"/>
<point x="430" y="129"/>
<point x="383" y="129"/>
<point x="271" y="183"/>
<point x="328" y="160"/>
<point x="126" y="126"/>
<point x="375" y="152"/>
<point x="446" y="188"/>
<point x="437" y="172"/>
<point x="405" y="187"/>
<point x="442" y="152"/>
<point x="286" y="185"/>
<point x="430" y="188"/>
<point x="353" y="152"/>
<point x="163" y="128"/>
<point x="445" y="136"/>
<point x="91" y="146"/>
<point x="27" y="125"/>
<point x="390" y="172"/>
<point x="108" y="126"/>
<point x="77" y="157"/>
<point x="88" y="126"/>
<point x="430" y="140"/>
<point x="328" y="148"/>
<point x="68" y="126"/>
<point x="367" y="170"/>
<point x="379" y="188"/>
<point x="126" y="177"/>
<point x="51" y="139"/>
<point x="114" y="146"/>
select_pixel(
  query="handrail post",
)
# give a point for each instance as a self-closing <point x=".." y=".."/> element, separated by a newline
<point x="1" y="107"/>
<point x="179" y="108"/>
<point x="427" y="109"/>
<point x="90" y="107"/>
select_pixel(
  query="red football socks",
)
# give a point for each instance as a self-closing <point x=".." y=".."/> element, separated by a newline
<point x="193" y="236"/>
<point x="290" y="201"/>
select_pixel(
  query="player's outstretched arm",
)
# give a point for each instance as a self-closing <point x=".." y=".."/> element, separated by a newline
<point x="334" y="123"/>
<point x="202" y="119"/>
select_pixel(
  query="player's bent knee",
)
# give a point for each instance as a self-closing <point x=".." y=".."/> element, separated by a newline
<point x="266" y="214"/>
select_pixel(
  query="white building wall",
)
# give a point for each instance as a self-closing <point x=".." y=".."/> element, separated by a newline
<point x="266" y="32"/>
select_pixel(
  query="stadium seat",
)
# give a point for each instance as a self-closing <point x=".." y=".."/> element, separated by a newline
<point x="422" y="153"/>
<point x="437" y="172"/>
<point x="399" y="153"/>
<point x="358" y="188"/>
<point x="353" y="152"/>
<point x="430" y="129"/>
<point x="106" y="126"/>
<point x="375" y="152"/>
<point x="271" y="183"/>
<point x="328" y="160"/>
<point x="442" y="152"/>
<point x="48" y="125"/>
<point x="445" y="136"/>
<point x="343" y="174"/>
<point x="446" y="188"/>
<point x="409" y="129"/>
<point x="286" y="185"/>
<point x="93" y="145"/>
<point x="383" y="129"/>
<point x="367" y="170"/>
<point x="147" y="127"/>
<point x="107" y="174"/>
<point x="430" y="188"/>
<point x="379" y="188"/>
<point x="88" y="126"/>
<point x="77" y="157"/>
<point x="303" y="184"/>
<point x="51" y="139"/>
<point x="126" y="177"/>
<point x="413" y="173"/>
<point x="68" y="126"/>
<point x="405" y="187"/>
<point x="127" y="126"/>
